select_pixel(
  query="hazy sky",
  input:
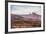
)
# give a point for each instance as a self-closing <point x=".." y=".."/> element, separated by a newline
<point x="20" y="10"/>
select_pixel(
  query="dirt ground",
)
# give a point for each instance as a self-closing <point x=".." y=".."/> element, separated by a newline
<point x="25" y="24"/>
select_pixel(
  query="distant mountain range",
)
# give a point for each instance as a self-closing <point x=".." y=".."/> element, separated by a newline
<point x="32" y="16"/>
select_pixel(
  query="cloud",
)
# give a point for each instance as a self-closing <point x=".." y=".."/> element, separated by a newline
<point x="19" y="10"/>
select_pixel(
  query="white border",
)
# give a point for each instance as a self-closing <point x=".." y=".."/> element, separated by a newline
<point x="23" y="29"/>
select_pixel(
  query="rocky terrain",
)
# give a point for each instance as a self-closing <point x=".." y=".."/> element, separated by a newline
<point x="25" y="21"/>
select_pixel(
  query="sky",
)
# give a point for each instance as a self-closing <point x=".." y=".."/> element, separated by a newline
<point x="21" y="10"/>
